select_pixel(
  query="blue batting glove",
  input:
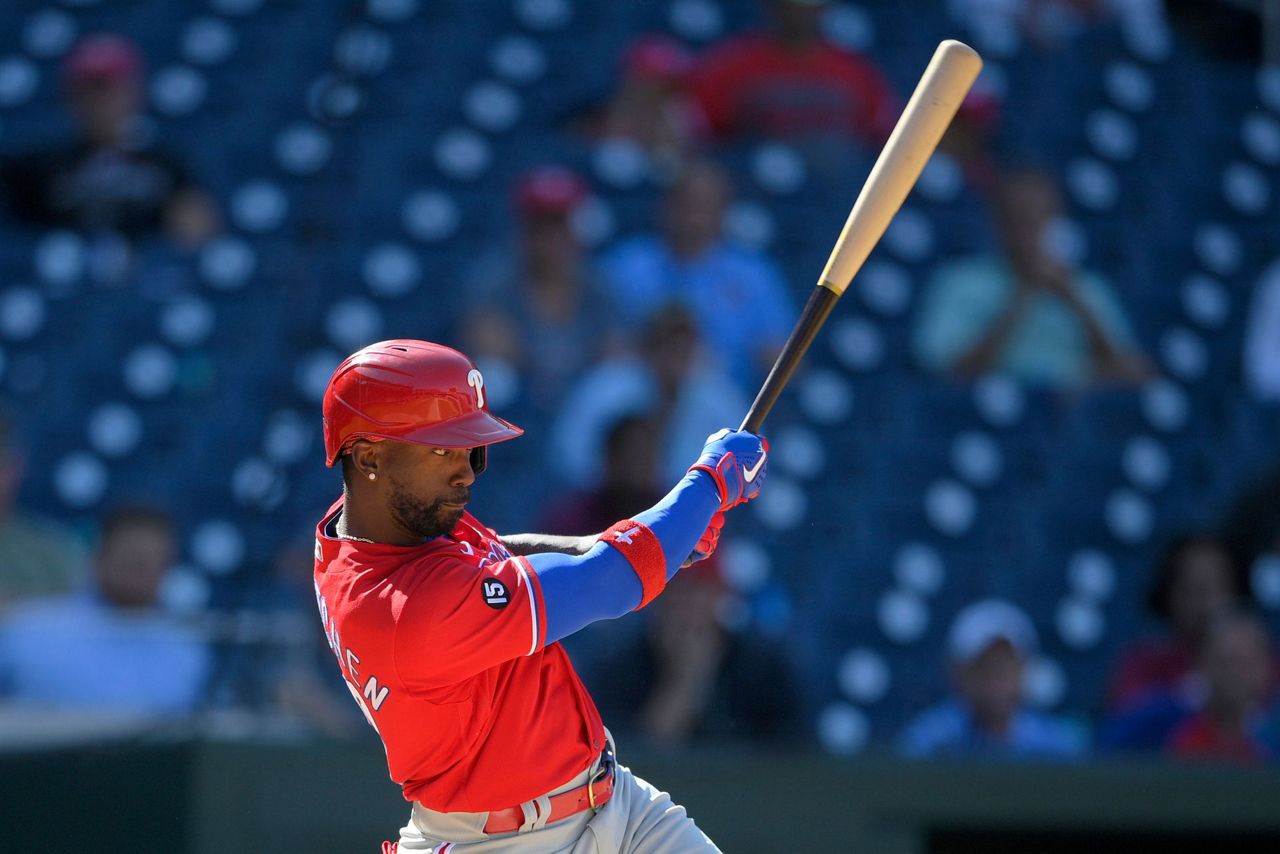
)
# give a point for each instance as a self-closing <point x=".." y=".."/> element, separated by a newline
<point x="738" y="462"/>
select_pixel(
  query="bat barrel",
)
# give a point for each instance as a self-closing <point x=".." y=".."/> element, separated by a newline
<point x="933" y="104"/>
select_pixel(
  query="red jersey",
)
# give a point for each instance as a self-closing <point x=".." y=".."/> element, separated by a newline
<point x="751" y="85"/>
<point x="442" y="645"/>
<point x="1147" y="668"/>
<point x="1200" y="738"/>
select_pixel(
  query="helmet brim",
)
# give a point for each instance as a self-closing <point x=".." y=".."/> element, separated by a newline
<point x="469" y="431"/>
<point x="473" y="430"/>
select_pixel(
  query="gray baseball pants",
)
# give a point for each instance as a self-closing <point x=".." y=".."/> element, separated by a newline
<point x="638" y="819"/>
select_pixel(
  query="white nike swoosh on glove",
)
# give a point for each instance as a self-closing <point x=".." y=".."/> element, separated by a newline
<point x="750" y="474"/>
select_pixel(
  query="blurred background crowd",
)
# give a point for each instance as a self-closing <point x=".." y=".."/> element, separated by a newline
<point x="1025" y="494"/>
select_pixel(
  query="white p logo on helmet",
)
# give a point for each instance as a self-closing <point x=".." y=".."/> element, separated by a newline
<point x="476" y="381"/>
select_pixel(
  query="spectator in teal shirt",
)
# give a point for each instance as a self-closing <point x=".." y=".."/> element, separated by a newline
<point x="1028" y="313"/>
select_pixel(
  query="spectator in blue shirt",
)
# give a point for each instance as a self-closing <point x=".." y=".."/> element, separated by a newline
<point x="108" y="648"/>
<point x="736" y="295"/>
<point x="672" y="378"/>
<point x="989" y="645"/>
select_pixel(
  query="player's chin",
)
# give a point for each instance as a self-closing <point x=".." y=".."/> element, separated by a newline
<point x="451" y="513"/>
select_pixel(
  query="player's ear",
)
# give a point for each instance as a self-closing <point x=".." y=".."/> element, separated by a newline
<point x="365" y="459"/>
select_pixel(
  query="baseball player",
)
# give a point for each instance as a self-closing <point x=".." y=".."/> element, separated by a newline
<point x="447" y="634"/>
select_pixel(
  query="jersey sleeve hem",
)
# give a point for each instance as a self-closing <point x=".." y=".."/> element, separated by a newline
<point x="537" y="605"/>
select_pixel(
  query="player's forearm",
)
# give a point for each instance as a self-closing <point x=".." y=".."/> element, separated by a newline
<point x="530" y="544"/>
<point x="602" y="584"/>
<point x="679" y="519"/>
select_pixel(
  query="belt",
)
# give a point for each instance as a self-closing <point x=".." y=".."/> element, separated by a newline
<point x="592" y="795"/>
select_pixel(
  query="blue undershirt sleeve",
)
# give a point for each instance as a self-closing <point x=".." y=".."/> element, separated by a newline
<point x="578" y="590"/>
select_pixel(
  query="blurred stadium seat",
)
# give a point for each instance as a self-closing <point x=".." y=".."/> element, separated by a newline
<point x="371" y="168"/>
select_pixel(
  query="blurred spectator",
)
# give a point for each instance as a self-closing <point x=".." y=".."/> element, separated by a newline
<point x="736" y="296"/>
<point x="37" y="556"/>
<point x="1146" y="725"/>
<point x="1046" y="24"/>
<point x="629" y="482"/>
<point x="676" y="671"/>
<point x="108" y="647"/>
<point x="1251" y="529"/>
<point x="971" y="137"/>
<point x="688" y="677"/>
<point x="1235" y="665"/>
<point x="989" y="645"/>
<point x="651" y="106"/>
<point x="544" y="316"/>
<point x="671" y="378"/>
<point x="1262" y="338"/>
<point x="109" y="177"/>
<point x="1027" y="313"/>
<point x="789" y="82"/>
<point x="1195" y="582"/>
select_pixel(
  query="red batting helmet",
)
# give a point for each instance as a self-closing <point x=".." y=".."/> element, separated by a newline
<point x="410" y="391"/>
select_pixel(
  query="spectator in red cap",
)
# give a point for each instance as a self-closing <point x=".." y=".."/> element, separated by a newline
<point x="651" y="106"/>
<point x="107" y="179"/>
<point x="540" y="319"/>
<point x="790" y="82"/>
<point x="552" y="191"/>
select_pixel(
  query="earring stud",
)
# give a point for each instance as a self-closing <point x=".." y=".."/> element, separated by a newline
<point x="373" y="475"/>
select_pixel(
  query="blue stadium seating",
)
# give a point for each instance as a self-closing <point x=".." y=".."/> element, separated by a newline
<point x="1063" y="457"/>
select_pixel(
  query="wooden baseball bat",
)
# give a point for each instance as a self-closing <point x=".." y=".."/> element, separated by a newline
<point x="946" y="81"/>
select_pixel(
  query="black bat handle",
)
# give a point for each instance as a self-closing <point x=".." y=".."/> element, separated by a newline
<point x="821" y="301"/>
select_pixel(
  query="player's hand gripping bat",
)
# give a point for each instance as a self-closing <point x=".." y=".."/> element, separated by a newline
<point x="946" y="81"/>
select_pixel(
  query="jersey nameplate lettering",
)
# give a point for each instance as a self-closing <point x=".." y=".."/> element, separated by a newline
<point x="371" y="697"/>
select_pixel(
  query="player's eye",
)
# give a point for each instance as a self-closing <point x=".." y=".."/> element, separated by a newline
<point x="440" y="452"/>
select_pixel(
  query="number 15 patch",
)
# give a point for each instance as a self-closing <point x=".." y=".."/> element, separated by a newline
<point x="495" y="593"/>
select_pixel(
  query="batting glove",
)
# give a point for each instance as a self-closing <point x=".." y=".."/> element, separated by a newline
<point x="710" y="539"/>
<point x="738" y="462"/>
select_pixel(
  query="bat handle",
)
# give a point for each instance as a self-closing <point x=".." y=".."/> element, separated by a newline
<point x="821" y="301"/>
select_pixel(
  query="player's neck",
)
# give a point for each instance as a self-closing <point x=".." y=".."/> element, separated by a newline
<point x="356" y="522"/>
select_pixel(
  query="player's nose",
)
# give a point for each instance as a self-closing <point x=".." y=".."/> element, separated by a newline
<point x="463" y="475"/>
